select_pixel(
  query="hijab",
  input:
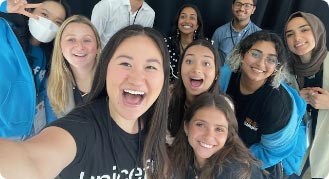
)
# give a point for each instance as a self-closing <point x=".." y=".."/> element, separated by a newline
<point x="319" y="52"/>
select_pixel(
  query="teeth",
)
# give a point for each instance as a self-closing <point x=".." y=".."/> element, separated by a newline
<point x="134" y="92"/>
<point x="258" y="70"/>
<point x="187" y="26"/>
<point x="206" y="145"/>
<point x="80" y="55"/>
<point x="300" y="44"/>
<point x="196" y="78"/>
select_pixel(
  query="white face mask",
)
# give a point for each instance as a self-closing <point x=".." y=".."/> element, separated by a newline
<point x="44" y="30"/>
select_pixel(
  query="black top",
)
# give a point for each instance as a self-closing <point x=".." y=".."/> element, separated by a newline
<point x="93" y="131"/>
<point x="268" y="110"/>
<point x="230" y="170"/>
<point x="79" y="96"/>
<point x="313" y="81"/>
<point x="174" y="52"/>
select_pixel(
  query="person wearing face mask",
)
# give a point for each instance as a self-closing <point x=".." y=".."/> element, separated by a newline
<point x="23" y="112"/>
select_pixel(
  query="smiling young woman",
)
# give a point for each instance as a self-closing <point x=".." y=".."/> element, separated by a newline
<point x="120" y="132"/>
<point x="207" y="144"/>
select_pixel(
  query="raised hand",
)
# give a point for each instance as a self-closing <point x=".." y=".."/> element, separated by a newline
<point x="316" y="97"/>
<point x="20" y="7"/>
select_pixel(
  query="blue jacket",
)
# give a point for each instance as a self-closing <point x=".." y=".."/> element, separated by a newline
<point x="17" y="90"/>
<point x="287" y="145"/>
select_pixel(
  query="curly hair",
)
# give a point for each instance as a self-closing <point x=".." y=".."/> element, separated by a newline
<point x="280" y="74"/>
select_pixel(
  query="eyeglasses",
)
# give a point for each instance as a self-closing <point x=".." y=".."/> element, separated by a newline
<point x="247" y="6"/>
<point x="271" y="60"/>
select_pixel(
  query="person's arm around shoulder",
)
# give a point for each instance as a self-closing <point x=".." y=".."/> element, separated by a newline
<point x="41" y="157"/>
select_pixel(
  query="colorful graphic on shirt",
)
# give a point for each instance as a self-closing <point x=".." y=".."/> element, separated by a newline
<point x="251" y="124"/>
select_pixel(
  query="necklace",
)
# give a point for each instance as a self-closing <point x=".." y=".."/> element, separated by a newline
<point x="111" y="136"/>
<point x="231" y="30"/>
<point x="81" y="94"/>
<point x="135" y="15"/>
<point x="194" y="169"/>
<point x="78" y="95"/>
<point x="195" y="173"/>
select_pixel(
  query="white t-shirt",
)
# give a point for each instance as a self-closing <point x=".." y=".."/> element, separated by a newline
<point x="109" y="16"/>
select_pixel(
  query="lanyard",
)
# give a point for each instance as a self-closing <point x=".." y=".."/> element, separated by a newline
<point x="135" y="15"/>
<point x="244" y="34"/>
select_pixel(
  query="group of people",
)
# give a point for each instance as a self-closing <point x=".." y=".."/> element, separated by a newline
<point x="183" y="106"/>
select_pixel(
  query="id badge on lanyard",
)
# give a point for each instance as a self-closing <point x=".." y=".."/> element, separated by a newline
<point x="40" y="117"/>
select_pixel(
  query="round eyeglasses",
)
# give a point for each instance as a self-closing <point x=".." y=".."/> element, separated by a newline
<point x="271" y="60"/>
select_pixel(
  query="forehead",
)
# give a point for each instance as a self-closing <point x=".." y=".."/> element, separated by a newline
<point x="245" y="1"/>
<point x="211" y="115"/>
<point x="188" y="10"/>
<point x="297" y="22"/>
<point x="199" y="50"/>
<point x="266" y="47"/>
<point x="54" y="8"/>
<point x="132" y="46"/>
<point x="78" y="28"/>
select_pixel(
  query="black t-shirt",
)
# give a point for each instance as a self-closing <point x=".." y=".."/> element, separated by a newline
<point x="230" y="170"/>
<point x="174" y="52"/>
<point x="313" y="81"/>
<point x="268" y="110"/>
<point x="96" y="157"/>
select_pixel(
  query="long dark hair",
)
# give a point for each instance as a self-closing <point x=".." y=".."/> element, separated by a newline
<point x="178" y="97"/>
<point x="176" y="37"/>
<point x="155" y="117"/>
<point x="181" y="153"/>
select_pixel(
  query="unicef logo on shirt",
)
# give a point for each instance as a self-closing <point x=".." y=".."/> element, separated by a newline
<point x="135" y="173"/>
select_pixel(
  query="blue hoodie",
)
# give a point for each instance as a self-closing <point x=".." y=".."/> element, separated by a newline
<point x="17" y="90"/>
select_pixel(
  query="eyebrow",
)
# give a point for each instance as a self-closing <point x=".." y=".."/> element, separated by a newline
<point x="74" y="35"/>
<point x="305" y="25"/>
<point x="188" y="14"/>
<point x="154" y="60"/>
<point x="270" y="54"/>
<point x="53" y="14"/>
<point x="218" y="125"/>
<point x="191" y="54"/>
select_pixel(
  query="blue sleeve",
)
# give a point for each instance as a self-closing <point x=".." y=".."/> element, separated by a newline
<point x="225" y="76"/>
<point x="17" y="92"/>
<point x="50" y="115"/>
<point x="287" y="145"/>
<point x="3" y="7"/>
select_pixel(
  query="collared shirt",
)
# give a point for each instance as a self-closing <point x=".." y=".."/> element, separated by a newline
<point x="226" y="37"/>
<point x="109" y="16"/>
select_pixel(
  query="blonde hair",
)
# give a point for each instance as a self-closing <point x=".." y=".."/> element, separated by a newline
<point x="61" y="79"/>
